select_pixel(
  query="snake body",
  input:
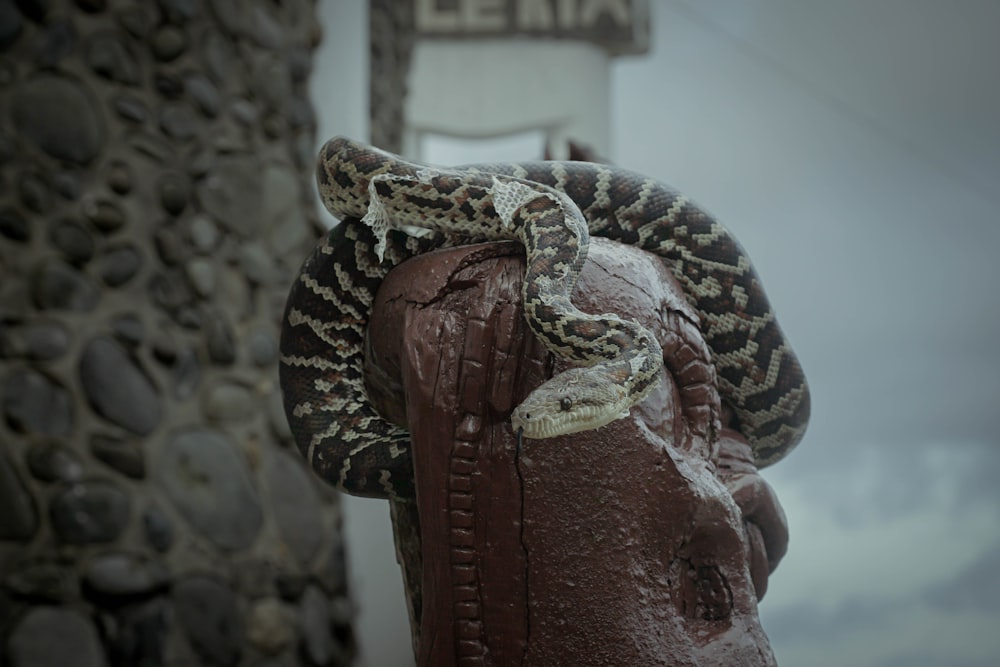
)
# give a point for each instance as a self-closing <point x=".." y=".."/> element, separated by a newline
<point x="392" y="209"/>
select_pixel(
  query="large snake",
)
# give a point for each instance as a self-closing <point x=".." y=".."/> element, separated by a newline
<point x="392" y="209"/>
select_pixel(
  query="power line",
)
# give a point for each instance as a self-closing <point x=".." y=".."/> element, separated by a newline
<point x="835" y="103"/>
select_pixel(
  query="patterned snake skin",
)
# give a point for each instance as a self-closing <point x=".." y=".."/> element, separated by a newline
<point x="551" y="208"/>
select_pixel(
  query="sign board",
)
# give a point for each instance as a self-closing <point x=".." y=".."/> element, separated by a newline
<point x="618" y="26"/>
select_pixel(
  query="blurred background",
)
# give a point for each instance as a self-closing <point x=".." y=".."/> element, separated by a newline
<point x="853" y="149"/>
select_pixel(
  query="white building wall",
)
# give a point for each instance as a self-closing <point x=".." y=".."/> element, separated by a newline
<point x="486" y="89"/>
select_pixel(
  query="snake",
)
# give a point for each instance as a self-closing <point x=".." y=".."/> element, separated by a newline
<point x="391" y="209"/>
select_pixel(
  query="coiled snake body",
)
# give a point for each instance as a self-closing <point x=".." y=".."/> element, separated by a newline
<point x="551" y="208"/>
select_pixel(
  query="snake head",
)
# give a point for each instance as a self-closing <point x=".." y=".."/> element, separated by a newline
<point x="579" y="399"/>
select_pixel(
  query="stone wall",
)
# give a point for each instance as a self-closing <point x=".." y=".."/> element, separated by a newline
<point x="155" y="162"/>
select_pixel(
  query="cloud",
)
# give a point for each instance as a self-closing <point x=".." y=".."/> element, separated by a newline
<point x="874" y="482"/>
<point x="871" y="631"/>
<point x="924" y="659"/>
<point x="808" y="621"/>
<point x="976" y="588"/>
<point x="894" y="559"/>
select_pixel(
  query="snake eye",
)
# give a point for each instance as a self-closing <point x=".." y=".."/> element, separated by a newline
<point x="565" y="404"/>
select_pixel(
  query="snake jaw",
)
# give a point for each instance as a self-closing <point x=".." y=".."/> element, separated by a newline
<point x="580" y="399"/>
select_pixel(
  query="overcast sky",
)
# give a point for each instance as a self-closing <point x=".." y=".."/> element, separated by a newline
<point x="853" y="147"/>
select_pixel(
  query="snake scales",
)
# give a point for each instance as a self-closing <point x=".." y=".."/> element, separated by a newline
<point x="551" y="208"/>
